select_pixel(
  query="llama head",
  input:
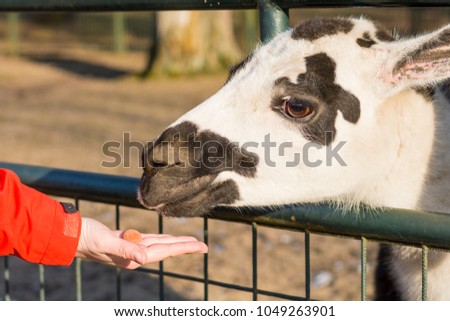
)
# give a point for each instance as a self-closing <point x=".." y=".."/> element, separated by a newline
<point x="301" y="119"/>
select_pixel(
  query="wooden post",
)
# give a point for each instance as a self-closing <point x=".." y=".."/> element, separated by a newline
<point x="119" y="32"/>
<point x="13" y="32"/>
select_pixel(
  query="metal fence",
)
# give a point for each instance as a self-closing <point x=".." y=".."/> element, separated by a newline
<point x="423" y="230"/>
<point x="118" y="32"/>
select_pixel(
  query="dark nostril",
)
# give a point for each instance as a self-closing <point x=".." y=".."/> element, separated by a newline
<point x="158" y="164"/>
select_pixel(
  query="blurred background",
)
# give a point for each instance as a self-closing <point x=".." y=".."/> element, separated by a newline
<point x="173" y="43"/>
<point x="69" y="83"/>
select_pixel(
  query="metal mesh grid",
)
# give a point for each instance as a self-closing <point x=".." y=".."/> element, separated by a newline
<point x="162" y="274"/>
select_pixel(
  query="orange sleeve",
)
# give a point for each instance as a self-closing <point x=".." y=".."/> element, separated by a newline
<point x="34" y="226"/>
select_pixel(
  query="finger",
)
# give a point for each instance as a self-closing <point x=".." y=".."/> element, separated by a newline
<point x="144" y="235"/>
<point x="168" y="239"/>
<point x="159" y="252"/>
<point x="119" y="233"/>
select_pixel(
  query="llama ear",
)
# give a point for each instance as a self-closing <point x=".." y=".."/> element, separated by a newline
<point x="423" y="61"/>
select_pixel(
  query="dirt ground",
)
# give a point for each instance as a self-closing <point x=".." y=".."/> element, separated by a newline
<point x="59" y="110"/>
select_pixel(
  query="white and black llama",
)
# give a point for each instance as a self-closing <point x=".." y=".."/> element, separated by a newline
<point x="377" y="103"/>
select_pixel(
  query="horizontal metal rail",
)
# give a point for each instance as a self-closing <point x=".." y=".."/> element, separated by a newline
<point x="402" y="226"/>
<point x="122" y="5"/>
<point x="155" y="5"/>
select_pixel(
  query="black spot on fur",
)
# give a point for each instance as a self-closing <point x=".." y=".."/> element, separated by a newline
<point x="238" y="67"/>
<point x="203" y="151"/>
<point x="366" y="41"/>
<point x="427" y="92"/>
<point x="383" y="35"/>
<point x="385" y="287"/>
<point x="317" y="28"/>
<point x="318" y="84"/>
<point x="181" y="165"/>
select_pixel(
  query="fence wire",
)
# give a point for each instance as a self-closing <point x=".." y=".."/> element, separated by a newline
<point x="162" y="274"/>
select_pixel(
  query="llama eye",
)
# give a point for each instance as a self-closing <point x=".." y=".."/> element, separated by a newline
<point x="297" y="108"/>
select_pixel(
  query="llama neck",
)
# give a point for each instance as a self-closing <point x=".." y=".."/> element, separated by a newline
<point x="436" y="187"/>
<point x="420" y="179"/>
<point x="408" y="124"/>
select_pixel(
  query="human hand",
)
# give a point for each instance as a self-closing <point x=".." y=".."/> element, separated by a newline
<point x="99" y="243"/>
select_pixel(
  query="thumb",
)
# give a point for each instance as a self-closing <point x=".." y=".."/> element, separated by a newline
<point x="139" y="256"/>
<point x="127" y="250"/>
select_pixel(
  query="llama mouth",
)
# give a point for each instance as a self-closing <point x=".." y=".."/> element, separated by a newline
<point x="198" y="203"/>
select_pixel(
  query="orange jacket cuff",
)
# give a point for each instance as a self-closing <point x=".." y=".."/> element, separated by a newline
<point x="64" y="236"/>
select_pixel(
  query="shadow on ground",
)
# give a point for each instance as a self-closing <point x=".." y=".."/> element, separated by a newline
<point x="99" y="282"/>
<point x="80" y="67"/>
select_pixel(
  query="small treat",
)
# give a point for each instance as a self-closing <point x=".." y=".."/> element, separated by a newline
<point x="132" y="236"/>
